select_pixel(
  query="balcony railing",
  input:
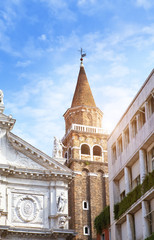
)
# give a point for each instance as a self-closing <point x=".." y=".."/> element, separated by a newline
<point x="84" y="128"/>
<point x="88" y="129"/>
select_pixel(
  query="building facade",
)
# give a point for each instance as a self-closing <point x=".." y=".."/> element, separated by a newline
<point x="86" y="152"/>
<point x="33" y="189"/>
<point x="131" y="168"/>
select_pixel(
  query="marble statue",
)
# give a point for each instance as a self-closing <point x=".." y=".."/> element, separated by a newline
<point x="57" y="148"/>
<point x="61" y="202"/>
<point x="1" y="97"/>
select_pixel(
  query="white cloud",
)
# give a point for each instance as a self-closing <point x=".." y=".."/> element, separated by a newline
<point x="31" y="51"/>
<point x="82" y="2"/>
<point x="92" y="7"/>
<point x="117" y="99"/>
<point x="145" y="3"/>
<point x="7" y="23"/>
<point x="23" y="63"/>
<point x="40" y="105"/>
<point x="43" y="37"/>
<point x="60" y="9"/>
<point x="117" y="71"/>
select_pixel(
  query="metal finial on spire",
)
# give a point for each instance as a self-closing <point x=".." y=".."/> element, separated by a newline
<point x="82" y="55"/>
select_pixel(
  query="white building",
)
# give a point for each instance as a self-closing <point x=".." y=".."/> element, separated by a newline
<point x="131" y="159"/>
<point x="33" y="189"/>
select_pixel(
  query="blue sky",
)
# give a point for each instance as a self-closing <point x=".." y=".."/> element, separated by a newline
<point x="39" y="59"/>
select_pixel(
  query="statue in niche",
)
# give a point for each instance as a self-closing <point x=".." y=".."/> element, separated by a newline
<point x="57" y="148"/>
<point x="1" y="97"/>
<point x="61" y="202"/>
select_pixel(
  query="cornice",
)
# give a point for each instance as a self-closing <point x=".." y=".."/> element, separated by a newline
<point x="6" y="122"/>
<point x="51" y="233"/>
<point x="81" y="108"/>
<point x="6" y="170"/>
<point x="85" y="161"/>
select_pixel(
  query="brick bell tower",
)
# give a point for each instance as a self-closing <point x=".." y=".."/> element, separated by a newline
<point x="86" y="154"/>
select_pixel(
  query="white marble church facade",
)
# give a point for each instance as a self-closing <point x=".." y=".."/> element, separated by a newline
<point x="33" y="189"/>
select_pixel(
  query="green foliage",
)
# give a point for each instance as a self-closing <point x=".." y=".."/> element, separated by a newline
<point x="134" y="195"/>
<point x="102" y="221"/>
<point x="148" y="182"/>
<point x="151" y="237"/>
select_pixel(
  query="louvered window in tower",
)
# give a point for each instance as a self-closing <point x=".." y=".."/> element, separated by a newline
<point x="85" y="149"/>
<point x="97" y="151"/>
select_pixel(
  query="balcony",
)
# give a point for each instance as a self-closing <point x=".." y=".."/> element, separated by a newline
<point x="85" y="129"/>
<point x="133" y="198"/>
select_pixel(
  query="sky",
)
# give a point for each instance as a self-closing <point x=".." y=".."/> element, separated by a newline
<point x="40" y="59"/>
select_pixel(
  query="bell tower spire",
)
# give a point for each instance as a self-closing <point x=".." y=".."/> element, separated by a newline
<point x="83" y="94"/>
<point x="86" y="155"/>
<point x="83" y="109"/>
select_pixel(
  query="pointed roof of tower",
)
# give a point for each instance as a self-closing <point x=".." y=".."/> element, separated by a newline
<point x="83" y="95"/>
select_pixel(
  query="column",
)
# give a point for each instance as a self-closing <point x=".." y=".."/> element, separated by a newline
<point x="130" y="227"/>
<point x="91" y="153"/>
<point x="145" y="222"/>
<point x="142" y="159"/>
<point x="127" y="179"/>
<point x="52" y="205"/>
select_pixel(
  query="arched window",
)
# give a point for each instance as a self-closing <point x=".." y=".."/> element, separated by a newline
<point x="85" y="205"/>
<point x="86" y="230"/>
<point x="97" y="151"/>
<point x="85" y="149"/>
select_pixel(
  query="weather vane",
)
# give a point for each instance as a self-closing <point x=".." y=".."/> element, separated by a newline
<point x="82" y="55"/>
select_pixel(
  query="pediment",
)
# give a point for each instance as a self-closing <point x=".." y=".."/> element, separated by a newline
<point x="33" y="157"/>
<point x="18" y="153"/>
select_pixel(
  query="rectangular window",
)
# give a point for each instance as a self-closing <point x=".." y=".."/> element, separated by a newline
<point x="151" y="105"/>
<point x="114" y="153"/>
<point x="122" y="195"/>
<point x="151" y="160"/>
<point x="152" y="155"/>
<point x="141" y="116"/>
<point x="126" y="137"/>
<point x="153" y="164"/>
<point x="122" y="187"/>
<point x="134" y="127"/>
<point x="103" y="237"/>
<point x="120" y="147"/>
<point x="136" y="182"/>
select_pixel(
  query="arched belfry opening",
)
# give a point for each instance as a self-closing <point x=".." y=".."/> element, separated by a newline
<point x="97" y="151"/>
<point x="85" y="149"/>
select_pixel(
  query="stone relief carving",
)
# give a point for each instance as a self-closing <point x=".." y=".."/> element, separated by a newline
<point x="61" y="203"/>
<point x="19" y="159"/>
<point x="62" y="221"/>
<point x="27" y="209"/>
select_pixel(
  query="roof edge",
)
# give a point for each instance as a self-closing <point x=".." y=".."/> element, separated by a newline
<point x="129" y="106"/>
